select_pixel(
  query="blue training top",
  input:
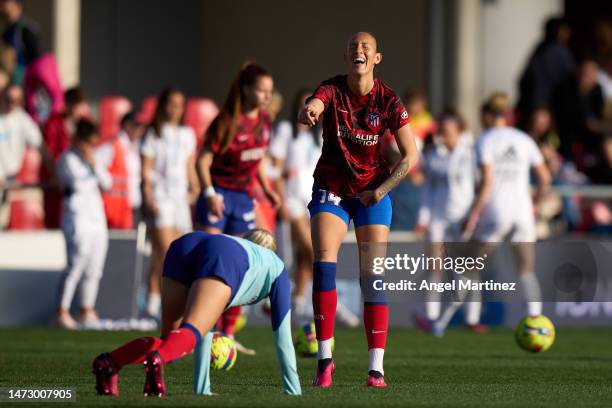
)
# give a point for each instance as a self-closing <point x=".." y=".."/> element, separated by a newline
<point x="253" y="273"/>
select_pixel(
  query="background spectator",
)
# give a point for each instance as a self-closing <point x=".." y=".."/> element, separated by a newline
<point x="57" y="134"/>
<point x="549" y="64"/>
<point x="34" y="68"/>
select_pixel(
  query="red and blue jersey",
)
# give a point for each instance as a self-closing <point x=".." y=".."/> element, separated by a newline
<point x="236" y="168"/>
<point x="353" y="127"/>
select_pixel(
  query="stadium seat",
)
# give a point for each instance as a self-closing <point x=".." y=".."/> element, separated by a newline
<point x="25" y="204"/>
<point x="112" y="109"/>
<point x="147" y="109"/>
<point x="199" y="113"/>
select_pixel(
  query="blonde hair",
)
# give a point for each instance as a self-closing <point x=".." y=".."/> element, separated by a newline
<point x="497" y="104"/>
<point x="262" y="237"/>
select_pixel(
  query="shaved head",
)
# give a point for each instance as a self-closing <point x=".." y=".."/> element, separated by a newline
<point x="362" y="36"/>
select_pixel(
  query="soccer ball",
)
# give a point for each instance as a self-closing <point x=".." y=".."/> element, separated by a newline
<point x="535" y="334"/>
<point x="223" y="352"/>
<point x="306" y="341"/>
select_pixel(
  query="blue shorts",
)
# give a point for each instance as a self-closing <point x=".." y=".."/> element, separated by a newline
<point x="238" y="216"/>
<point x="351" y="208"/>
<point x="200" y="255"/>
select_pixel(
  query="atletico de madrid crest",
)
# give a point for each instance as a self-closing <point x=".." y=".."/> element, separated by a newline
<point x="374" y="119"/>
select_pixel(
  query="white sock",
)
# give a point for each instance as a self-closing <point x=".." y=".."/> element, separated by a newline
<point x="325" y="349"/>
<point x="154" y="304"/>
<point x="532" y="293"/>
<point x="448" y="314"/>
<point x="299" y="304"/>
<point x="473" y="307"/>
<point x="376" y="360"/>
<point x="433" y="304"/>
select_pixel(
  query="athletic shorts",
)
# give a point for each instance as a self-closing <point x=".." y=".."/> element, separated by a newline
<point x="238" y="216"/>
<point x="200" y="255"/>
<point x="172" y="213"/>
<point x="498" y="230"/>
<point x="351" y="208"/>
<point x="445" y="231"/>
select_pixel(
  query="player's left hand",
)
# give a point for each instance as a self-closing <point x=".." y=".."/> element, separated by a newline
<point x="274" y="198"/>
<point x="470" y="225"/>
<point x="369" y="197"/>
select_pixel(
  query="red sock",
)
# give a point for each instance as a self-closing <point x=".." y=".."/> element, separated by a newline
<point x="230" y="316"/>
<point x="324" y="305"/>
<point x="134" y="352"/>
<point x="376" y="322"/>
<point x="178" y="343"/>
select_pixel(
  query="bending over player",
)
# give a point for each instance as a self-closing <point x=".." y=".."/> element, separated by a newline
<point x="352" y="181"/>
<point x="204" y="274"/>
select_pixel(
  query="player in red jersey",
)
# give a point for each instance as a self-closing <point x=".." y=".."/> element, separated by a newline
<point x="352" y="181"/>
<point x="230" y="160"/>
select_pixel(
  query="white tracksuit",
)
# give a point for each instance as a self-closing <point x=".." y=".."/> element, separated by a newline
<point x="84" y="226"/>
<point x="448" y="192"/>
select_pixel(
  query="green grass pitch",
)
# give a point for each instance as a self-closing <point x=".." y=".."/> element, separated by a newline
<point x="460" y="370"/>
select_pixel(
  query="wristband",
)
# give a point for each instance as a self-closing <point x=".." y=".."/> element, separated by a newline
<point x="210" y="192"/>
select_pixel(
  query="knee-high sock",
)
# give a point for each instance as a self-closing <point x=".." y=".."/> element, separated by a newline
<point x="532" y="293"/>
<point x="433" y="302"/>
<point x="324" y="301"/>
<point x="135" y="351"/>
<point x="472" y="307"/>
<point x="179" y="342"/>
<point x="228" y="320"/>
<point x="376" y="320"/>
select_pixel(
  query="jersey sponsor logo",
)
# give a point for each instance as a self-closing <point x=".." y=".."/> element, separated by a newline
<point x="374" y="119"/>
<point x="257" y="153"/>
<point x="363" y="140"/>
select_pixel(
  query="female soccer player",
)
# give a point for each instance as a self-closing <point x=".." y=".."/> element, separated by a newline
<point x="230" y="160"/>
<point x="352" y="181"/>
<point x="168" y="182"/>
<point x="83" y="224"/>
<point x="448" y="193"/>
<point x="205" y="274"/>
<point x="503" y="207"/>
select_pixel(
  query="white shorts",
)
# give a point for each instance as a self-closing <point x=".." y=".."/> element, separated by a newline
<point x="173" y="214"/>
<point x="296" y="207"/>
<point x="498" y="230"/>
<point x="445" y="231"/>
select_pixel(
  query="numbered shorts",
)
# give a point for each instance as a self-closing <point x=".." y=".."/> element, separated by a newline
<point x="238" y="216"/>
<point x="351" y="208"/>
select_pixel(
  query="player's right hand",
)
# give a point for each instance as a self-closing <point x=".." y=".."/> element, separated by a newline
<point x="309" y="115"/>
<point x="216" y="205"/>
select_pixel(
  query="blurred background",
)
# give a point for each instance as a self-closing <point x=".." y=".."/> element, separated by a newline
<point x="63" y="59"/>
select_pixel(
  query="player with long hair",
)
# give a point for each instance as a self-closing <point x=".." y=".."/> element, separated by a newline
<point x="169" y="183"/>
<point x="204" y="274"/>
<point x="352" y="181"/>
<point x="230" y="160"/>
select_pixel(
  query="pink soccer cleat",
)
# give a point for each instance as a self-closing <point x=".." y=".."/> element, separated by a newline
<point x="324" y="379"/>
<point x="106" y="375"/>
<point x="154" y="385"/>
<point x="376" y="379"/>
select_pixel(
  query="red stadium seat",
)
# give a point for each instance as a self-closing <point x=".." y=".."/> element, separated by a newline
<point x="30" y="167"/>
<point x="199" y="113"/>
<point x="112" y="109"/>
<point x="147" y="109"/>
<point x="26" y="208"/>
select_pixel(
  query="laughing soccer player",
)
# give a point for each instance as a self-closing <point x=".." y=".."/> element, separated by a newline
<point x="205" y="274"/>
<point x="352" y="181"/>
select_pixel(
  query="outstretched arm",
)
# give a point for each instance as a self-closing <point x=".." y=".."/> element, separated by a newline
<point x="280" y="300"/>
<point x="201" y="366"/>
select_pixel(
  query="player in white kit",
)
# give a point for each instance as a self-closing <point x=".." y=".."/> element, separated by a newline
<point x="83" y="225"/>
<point x="169" y="183"/>
<point x="450" y="180"/>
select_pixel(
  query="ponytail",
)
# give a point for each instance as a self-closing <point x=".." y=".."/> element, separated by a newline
<point x="225" y="127"/>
